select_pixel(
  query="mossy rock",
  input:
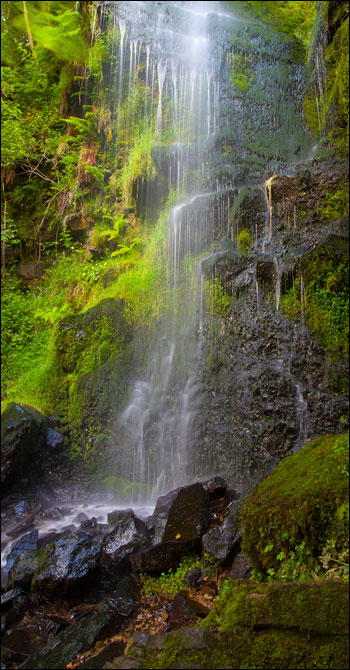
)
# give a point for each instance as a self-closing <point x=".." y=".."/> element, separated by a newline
<point x="283" y="625"/>
<point x="80" y="338"/>
<point x="299" y="509"/>
<point x="23" y="441"/>
<point x="260" y="626"/>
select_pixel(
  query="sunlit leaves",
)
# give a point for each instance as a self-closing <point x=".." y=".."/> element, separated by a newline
<point x="57" y="30"/>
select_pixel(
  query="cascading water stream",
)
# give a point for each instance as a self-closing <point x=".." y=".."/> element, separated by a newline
<point x="156" y="425"/>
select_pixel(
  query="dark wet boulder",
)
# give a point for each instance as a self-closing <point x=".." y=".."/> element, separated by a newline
<point x="117" y="515"/>
<point x="23" y="440"/>
<point x="79" y="637"/>
<point x="180" y="612"/>
<point x="129" y="536"/>
<point x="59" y="566"/>
<point x="161" y="511"/>
<point x="122" y="608"/>
<point x="25" y="524"/>
<point x="27" y="543"/>
<point x="13" y="604"/>
<point x="161" y="557"/>
<point x="188" y="515"/>
<point x="220" y="540"/>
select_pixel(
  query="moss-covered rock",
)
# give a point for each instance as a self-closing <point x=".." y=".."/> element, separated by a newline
<point x="93" y="350"/>
<point x="23" y="438"/>
<point x="257" y="626"/>
<point x="299" y="513"/>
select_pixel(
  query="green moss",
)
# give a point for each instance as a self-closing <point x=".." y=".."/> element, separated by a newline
<point x="325" y="299"/>
<point x="335" y="204"/>
<point x="292" y="514"/>
<point x="282" y="626"/>
<point x="244" y="240"/>
<point x="168" y="584"/>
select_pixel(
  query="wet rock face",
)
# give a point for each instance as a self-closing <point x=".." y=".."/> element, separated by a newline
<point x="129" y="536"/>
<point x="23" y="438"/>
<point x="268" y="385"/>
<point x="57" y="568"/>
<point x="188" y="515"/>
<point x="219" y="541"/>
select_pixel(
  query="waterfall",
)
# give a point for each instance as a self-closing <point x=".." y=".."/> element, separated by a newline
<point x="180" y="94"/>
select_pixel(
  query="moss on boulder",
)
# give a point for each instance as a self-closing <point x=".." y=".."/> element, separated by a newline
<point x="300" y="512"/>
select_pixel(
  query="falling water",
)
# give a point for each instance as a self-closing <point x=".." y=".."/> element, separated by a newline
<point x="155" y="428"/>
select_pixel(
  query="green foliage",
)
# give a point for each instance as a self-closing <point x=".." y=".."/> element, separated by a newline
<point x="298" y="513"/>
<point x="138" y="164"/>
<point x="294" y="18"/>
<point x="326" y="299"/>
<point x="216" y="299"/>
<point x="335" y="205"/>
<point x="168" y="584"/>
<point x="240" y="74"/>
<point x="244" y="240"/>
<point x="57" y="27"/>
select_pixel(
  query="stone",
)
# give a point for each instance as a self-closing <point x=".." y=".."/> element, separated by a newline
<point x="13" y="604"/>
<point x="192" y="638"/>
<point x="161" y="557"/>
<point x="117" y="515"/>
<point x="193" y="577"/>
<point x="108" y="653"/>
<point x="303" y="607"/>
<point x="21" y="527"/>
<point x="219" y="541"/>
<point x="188" y="515"/>
<point x="23" y="440"/>
<point x="28" y="542"/>
<point x="184" y="609"/>
<point x="241" y="567"/>
<point x="129" y="536"/>
<point x="79" y="637"/>
<point x="161" y="512"/>
<point x="59" y="566"/>
<point x="54" y="438"/>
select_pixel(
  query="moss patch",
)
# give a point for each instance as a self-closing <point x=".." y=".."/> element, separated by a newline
<point x="292" y="518"/>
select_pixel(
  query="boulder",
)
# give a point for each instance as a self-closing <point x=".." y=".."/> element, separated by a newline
<point x="193" y="577"/>
<point x="188" y="515"/>
<point x="117" y="515"/>
<point x="23" y="439"/>
<point x="27" y="543"/>
<point x="129" y="536"/>
<point x="161" y="511"/>
<point x="161" y="557"/>
<point x="58" y="566"/>
<point x="184" y="609"/>
<point x="219" y="541"/>
<point x="303" y="607"/>
<point x="79" y="637"/>
<point x="13" y="604"/>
